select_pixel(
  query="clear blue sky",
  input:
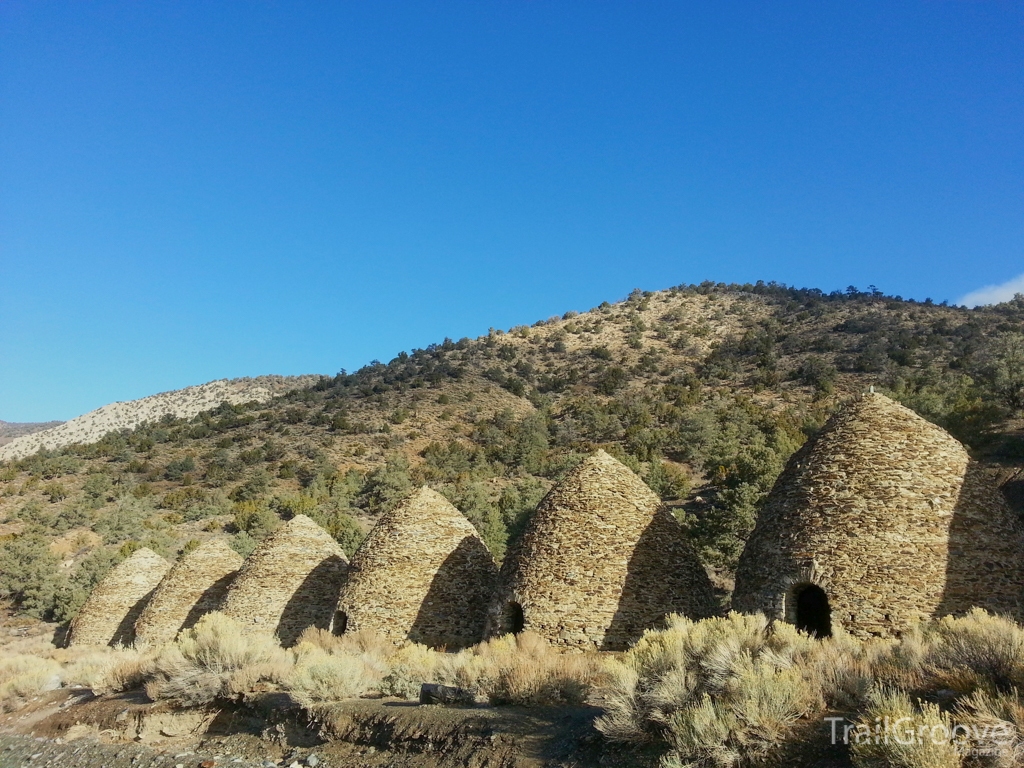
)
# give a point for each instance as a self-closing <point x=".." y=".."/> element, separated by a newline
<point x="197" y="190"/>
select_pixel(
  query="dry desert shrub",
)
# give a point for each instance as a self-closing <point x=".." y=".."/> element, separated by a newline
<point x="128" y="674"/>
<point x="977" y="651"/>
<point x="22" y="677"/>
<point x="731" y="691"/>
<point x="535" y="674"/>
<point x="216" y="658"/>
<point x="329" y="668"/>
<point x="914" y="736"/>
<point x="513" y="669"/>
<point x="413" y="664"/>
<point x="996" y="728"/>
<point x="103" y="669"/>
<point x="724" y="691"/>
<point x="319" y="676"/>
<point x="363" y="642"/>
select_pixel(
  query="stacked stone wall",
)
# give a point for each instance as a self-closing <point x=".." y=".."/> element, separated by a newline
<point x="290" y="581"/>
<point x="195" y="585"/>
<point x="985" y="562"/>
<point x="865" y="511"/>
<point x="109" y="614"/>
<point x="601" y="560"/>
<point x="421" y="574"/>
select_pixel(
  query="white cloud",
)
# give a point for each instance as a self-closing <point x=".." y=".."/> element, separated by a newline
<point x="994" y="294"/>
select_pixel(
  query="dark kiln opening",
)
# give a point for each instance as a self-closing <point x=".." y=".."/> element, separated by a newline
<point x="340" y="623"/>
<point x="512" y="619"/>
<point x="813" y="614"/>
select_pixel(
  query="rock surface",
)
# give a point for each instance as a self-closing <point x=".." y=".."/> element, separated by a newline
<point x="181" y="403"/>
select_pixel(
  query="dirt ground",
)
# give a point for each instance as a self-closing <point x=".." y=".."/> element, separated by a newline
<point x="75" y="728"/>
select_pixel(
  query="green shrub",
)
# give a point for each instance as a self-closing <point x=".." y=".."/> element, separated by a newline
<point x="177" y="469"/>
<point x="253" y="488"/>
<point x="183" y="498"/>
<point x="386" y="486"/>
<point x="817" y="372"/>
<point x="243" y="543"/>
<point x="126" y="521"/>
<point x="55" y="491"/>
<point x="97" y="487"/>
<point x="255" y="518"/>
<point x="28" y="573"/>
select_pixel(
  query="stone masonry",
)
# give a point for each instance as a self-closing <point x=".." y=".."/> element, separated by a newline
<point x="885" y="513"/>
<point x="196" y="584"/>
<point x="109" y="615"/>
<point x="422" y="574"/>
<point x="601" y="560"/>
<point x="289" y="582"/>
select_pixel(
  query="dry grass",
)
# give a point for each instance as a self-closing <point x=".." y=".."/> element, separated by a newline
<point x="411" y="665"/>
<point x="523" y="670"/>
<point x="22" y="677"/>
<point x="218" y="658"/>
<point x="975" y="652"/>
<point x="531" y="673"/>
<point x="997" y="727"/>
<point x="734" y="691"/>
<point x="128" y="672"/>
<point x="101" y="669"/>
<point x="720" y="692"/>
<point x="38" y="669"/>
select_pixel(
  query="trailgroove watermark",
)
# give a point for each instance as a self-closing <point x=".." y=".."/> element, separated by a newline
<point x="982" y="740"/>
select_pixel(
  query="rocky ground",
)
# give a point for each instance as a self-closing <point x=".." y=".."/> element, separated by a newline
<point x="75" y="728"/>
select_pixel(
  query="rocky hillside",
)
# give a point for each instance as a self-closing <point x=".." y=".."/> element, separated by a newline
<point x="180" y="403"/>
<point x="704" y="390"/>
<point x="11" y="430"/>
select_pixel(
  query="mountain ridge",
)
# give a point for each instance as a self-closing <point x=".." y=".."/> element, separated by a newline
<point x="10" y="430"/>
<point x="128" y="414"/>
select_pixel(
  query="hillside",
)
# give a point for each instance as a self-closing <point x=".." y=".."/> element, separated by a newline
<point x="704" y="390"/>
<point x="11" y="430"/>
<point x="181" y="403"/>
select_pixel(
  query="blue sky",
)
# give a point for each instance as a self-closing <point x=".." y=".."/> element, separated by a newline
<point x="191" y="191"/>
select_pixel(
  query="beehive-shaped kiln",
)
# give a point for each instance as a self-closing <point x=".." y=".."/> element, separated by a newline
<point x="878" y="521"/>
<point x="289" y="582"/>
<point x="600" y="561"/>
<point x="421" y="574"/>
<point x="109" y="615"/>
<point x="196" y="584"/>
